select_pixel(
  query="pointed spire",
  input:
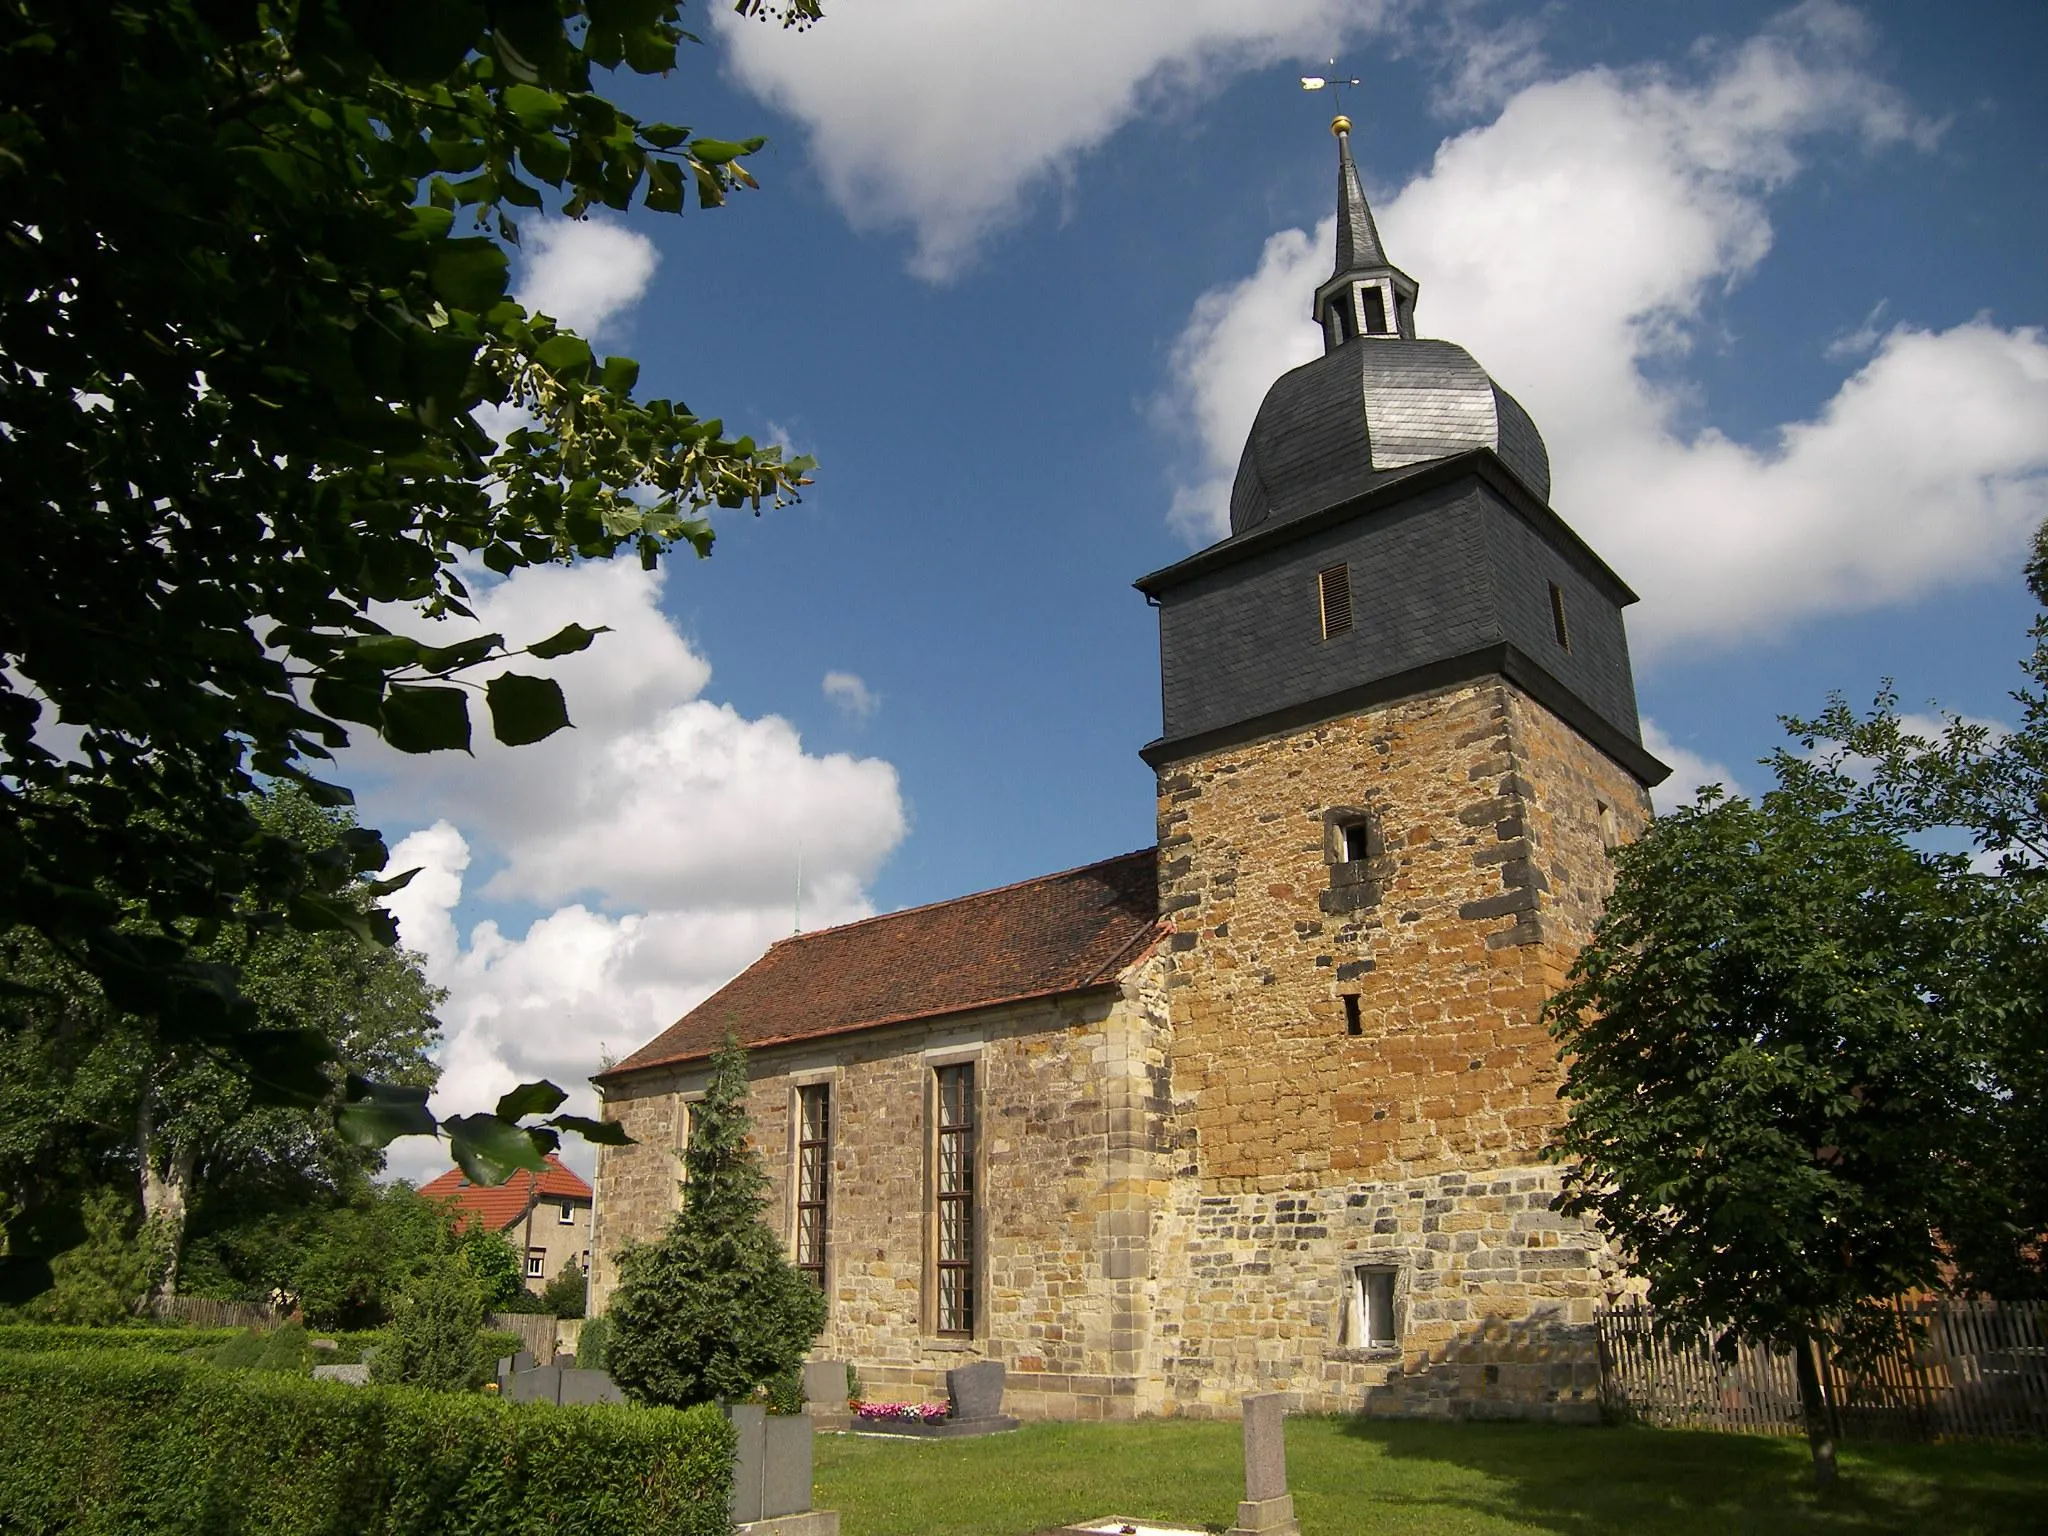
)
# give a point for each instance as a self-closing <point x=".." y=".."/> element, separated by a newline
<point x="1366" y="295"/>
<point x="1358" y="238"/>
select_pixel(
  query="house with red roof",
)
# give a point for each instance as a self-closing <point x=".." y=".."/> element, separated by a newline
<point x="1263" y="1108"/>
<point x="545" y="1216"/>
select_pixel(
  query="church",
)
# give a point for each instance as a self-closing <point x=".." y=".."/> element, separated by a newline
<point x="1261" y="1108"/>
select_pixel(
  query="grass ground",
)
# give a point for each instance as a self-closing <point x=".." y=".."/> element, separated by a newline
<point x="1353" y="1478"/>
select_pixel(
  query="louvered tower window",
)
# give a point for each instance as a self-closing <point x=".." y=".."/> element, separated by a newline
<point x="956" y="1199"/>
<point x="1334" y="589"/>
<point x="813" y="1178"/>
<point x="1557" y="619"/>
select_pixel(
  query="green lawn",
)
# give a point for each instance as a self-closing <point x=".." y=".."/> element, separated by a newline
<point x="1352" y="1478"/>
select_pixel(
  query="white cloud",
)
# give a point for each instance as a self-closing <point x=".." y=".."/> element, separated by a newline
<point x="852" y="696"/>
<point x="660" y="839"/>
<point x="1576" y="240"/>
<point x="1690" y="771"/>
<point x="944" y="115"/>
<point x="583" y="272"/>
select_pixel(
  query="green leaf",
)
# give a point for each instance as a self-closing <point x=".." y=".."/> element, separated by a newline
<point x="377" y="889"/>
<point x="387" y="651"/>
<point x="525" y="709"/>
<point x="346" y="699"/>
<point x="470" y="274"/>
<point x="464" y="653"/>
<point x="719" y="151"/>
<point x="664" y="186"/>
<point x="603" y="1133"/>
<point x="417" y="719"/>
<point x="534" y="107"/>
<point x="565" y="355"/>
<point x="312" y="912"/>
<point x="565" y="641"/>
<point x="286" y="1066"/>
<point x="376" y="1114"/>
<point x="620" y="375"/>
<point x="531" y="1099"/>
<point x="490" y="1150"/>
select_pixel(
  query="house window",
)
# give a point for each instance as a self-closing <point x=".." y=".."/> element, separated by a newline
<point x="1333" y="587"/>
<point x="1369" y="1320"/>
<point x="955" y="1198"/>
<point x="568" y="1215"/>
<point x="536" y="1263"/>
<point x="813" y="1178"/>
<point x="1557" y="623"/>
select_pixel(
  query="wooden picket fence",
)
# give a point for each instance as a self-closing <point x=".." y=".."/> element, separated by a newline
<point x="200" y="1312"/>
<point x="1975" y="1370"/>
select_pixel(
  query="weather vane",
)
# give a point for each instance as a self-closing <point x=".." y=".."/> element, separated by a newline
<point x="1334" y="82"/>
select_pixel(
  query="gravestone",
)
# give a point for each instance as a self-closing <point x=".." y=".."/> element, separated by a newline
<point x="771" y="1475"/>
<point x="825" y="1394"/>
<point x="975" y="1395"/>
<point x="749" y="1422"/>
<point x="349" y="1375"/>
<point x="1268" y="1508"/>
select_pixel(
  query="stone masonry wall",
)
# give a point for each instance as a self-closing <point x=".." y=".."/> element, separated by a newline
<point x="1071" y="1093"/>
<point x="1414" y="1126"/>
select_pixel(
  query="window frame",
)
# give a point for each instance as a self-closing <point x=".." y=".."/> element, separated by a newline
<point x="536" y="1263"/>
<point x="807" y="1196"/>
<point x="955" y="1310"/>
<point x="1363" y="1320"/>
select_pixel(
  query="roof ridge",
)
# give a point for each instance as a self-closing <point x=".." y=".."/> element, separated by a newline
<point x="949" y="901"/>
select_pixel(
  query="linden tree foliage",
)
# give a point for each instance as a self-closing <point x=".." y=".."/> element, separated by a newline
<point x="253" y="297"/>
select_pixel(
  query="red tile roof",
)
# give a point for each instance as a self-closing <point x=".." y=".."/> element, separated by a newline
<point x="1058" y="933"/>
<point x="501" y="1205"/>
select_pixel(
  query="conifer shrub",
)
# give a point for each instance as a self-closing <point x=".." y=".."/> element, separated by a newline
<point x="566" y="1294"/>
<point x="436" y="1341"/>
<point x="131" y="1444"/>
<point x="593" y="1344"/>
<point x="713" y="1309"/>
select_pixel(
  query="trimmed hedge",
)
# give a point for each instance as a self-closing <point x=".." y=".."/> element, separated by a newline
<point x="134" y="1445"/>
<point x="60" y="1338"/>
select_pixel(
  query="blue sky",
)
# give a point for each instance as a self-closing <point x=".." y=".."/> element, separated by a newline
<point x="1767" y="279"/>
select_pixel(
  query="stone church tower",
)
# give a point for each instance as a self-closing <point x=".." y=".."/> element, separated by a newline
<point x="1400" y="736"/>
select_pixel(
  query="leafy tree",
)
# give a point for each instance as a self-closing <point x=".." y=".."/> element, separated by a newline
<point x="252" y="298"/>
<point x="349" y="1266"/>
<point x="168" y="1114"/>
<point x="566" y="1294"/>
<point x="714" y="1308"/>
<point x="494" y="1264"/>
<point x="1769" y="1084"/>
<point x="435" y="1340"/>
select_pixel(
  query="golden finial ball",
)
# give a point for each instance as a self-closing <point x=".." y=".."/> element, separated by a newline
<point x="1340" y="124"/>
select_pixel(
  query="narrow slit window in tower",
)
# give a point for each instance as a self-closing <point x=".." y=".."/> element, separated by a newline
<point x="1334" y="587"/>
<point x="1557" y="623"/>
<point x="1354" y="1023"/>
<point x="1357" y="842"/>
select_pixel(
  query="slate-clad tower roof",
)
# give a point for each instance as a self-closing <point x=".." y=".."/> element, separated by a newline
<point x="1390" y="534"/>
<point x="1379" y="399"/>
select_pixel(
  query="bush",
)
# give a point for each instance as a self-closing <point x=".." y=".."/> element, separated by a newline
<point x="593" y="1344"/>
<point x="134" y="1445"/>
<point x="566" y="1294"/>
<point x="53" y="1338"/>
<point x="285" y="1349"/>
<point x="714" y="1309"/>
<point x="436" y="1341"/>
